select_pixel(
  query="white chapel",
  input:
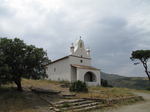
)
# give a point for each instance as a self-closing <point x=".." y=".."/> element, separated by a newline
<point x="75" y="66"/>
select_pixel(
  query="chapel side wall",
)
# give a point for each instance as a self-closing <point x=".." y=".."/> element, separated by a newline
<point x="59" y="70"/>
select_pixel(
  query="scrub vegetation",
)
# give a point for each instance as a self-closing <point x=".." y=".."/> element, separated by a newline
<point x="78" y="86"/>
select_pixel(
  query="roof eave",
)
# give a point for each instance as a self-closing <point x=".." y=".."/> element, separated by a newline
<point x="58" y="60"/>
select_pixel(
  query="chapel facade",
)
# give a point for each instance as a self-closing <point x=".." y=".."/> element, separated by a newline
<point x="75" y="66"/>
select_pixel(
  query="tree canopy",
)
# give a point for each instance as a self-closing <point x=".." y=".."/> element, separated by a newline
<point x="19" y="60"/>
<point x="143" y="56"/>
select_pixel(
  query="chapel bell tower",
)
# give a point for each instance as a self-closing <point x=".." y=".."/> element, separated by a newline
<point x="79" y="49"/>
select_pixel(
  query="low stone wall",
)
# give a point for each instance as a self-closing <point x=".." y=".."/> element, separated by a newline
<point x="115" y="100"/>
<point x="136" y="98"/>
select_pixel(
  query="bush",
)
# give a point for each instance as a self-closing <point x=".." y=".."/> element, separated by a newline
<point x="104" y="83"/>
<point x="148" y="88"/>
<point x="78" y="86"/>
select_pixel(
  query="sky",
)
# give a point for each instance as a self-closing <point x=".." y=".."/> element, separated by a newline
<point x="112" y="29"/>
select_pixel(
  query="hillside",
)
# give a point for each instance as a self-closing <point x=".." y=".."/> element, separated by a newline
<point x="111" y="76"/>
<point x="126" y="82"/>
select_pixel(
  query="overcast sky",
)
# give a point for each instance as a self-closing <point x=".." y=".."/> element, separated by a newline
<point x="112" y="29"/>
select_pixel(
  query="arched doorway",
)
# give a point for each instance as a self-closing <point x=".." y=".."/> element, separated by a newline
<point x="89" y="77"/>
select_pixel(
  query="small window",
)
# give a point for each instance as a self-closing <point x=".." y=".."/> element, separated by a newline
<point x="81" y="61"/>
<point x="80" y="45"/>
<point x="54" y="69"/>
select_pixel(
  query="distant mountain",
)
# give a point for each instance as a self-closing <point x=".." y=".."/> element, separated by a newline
<point x="111" y="76"/>
<point x="126" y="82"/>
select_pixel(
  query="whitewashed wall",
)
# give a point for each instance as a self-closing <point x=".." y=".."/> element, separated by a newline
<point x="73" y="74"/>
<point x="59" y="70"/>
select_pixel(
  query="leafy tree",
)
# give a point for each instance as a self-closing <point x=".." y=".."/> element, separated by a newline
<point x="143" y="56"/>
<point x="78" y="86"/>
<point x="18" y="60"/>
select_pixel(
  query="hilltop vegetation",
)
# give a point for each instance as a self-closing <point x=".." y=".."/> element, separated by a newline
<point x="131" y="82"/>
<point x="126" y="82"/>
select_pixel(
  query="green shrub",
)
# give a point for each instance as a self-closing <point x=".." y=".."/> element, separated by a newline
<point x="148" y="88"/>
<point x="78" y="86"/>
<point x="104" y="83"/>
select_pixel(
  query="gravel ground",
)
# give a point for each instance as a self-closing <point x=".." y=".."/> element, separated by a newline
<point x="138" y="107"/>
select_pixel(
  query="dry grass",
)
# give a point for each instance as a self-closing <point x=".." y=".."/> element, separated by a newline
<point x="27" y="101"/>
<point x="39" y="82"/>
<point x="44" y="84"/>
<point x="12" y="100"/>
<point x="105" y="93"/>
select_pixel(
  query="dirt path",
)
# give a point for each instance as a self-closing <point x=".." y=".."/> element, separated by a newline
<point x="138" y="107"/>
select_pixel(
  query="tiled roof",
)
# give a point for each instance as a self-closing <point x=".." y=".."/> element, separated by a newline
<point x="84" y="67"/>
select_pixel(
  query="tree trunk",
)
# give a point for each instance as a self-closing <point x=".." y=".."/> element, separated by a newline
<point x="148" y="74"/>
<point x="18" y="83"/>
<point x="149" y="77"/>
<point x="146" y="70"/>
